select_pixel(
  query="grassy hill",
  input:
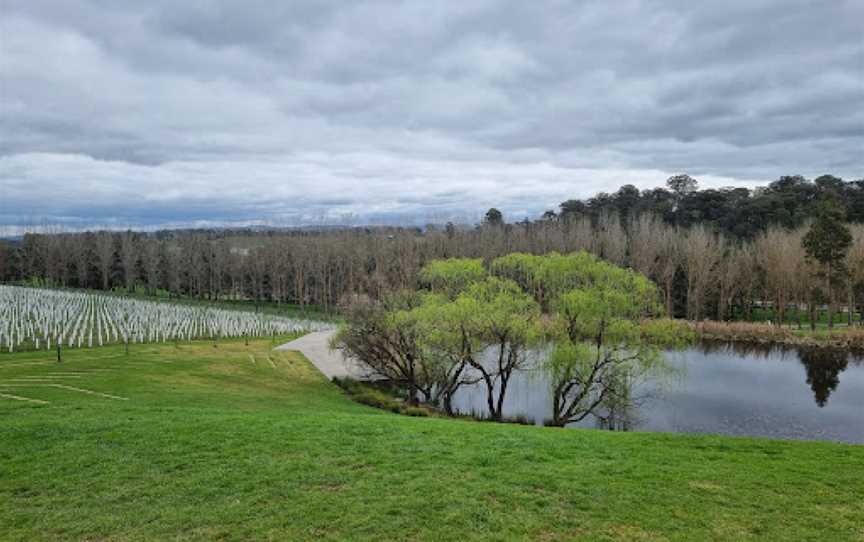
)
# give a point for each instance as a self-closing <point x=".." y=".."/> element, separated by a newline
<point x="239" y="442"/>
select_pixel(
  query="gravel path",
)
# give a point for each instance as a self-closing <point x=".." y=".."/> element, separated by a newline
<point x="316" y="347"/>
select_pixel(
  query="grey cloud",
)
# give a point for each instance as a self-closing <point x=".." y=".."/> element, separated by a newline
<point x="267" y="110"/>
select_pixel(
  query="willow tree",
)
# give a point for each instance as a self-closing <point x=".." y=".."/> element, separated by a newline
<point x="448" y="344"/>
<point x="468" y="316"/>
<point x="506" y="320"/>
<point x="546" y="277"/>
<point x="602" y="345"/>
<point x="383" y="336"/>
<point x="452" y="276"/>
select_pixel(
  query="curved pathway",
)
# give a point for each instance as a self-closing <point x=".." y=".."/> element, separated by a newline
<point x="316" y="347"/>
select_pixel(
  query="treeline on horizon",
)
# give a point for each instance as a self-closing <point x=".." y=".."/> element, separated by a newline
<point x="739" y="213"/>
<point x="715" y="253"/>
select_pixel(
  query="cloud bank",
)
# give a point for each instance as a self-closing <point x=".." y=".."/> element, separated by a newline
<point x="268" y="112"/>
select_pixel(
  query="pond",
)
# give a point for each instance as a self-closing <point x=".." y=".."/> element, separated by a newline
<point x="722" y="388"/>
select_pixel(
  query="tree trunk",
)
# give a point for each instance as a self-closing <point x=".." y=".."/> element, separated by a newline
<point x="490" y="399"/>
<point x="557" y="402"/>
<point x="830" y="300"/>
<point x="781" y="309"/>
<point x="501" y="391"/>
<point x="812" y="311"/>
<point x="669" y="308"/>
<point x="412" y="393"/>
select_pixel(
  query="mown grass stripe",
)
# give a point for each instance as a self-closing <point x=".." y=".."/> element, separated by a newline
<point x="91" y="392"/>
<point x="27" y="399"/>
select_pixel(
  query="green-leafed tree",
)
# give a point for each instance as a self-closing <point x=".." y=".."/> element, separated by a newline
<point x="452" y="276"/>
<point x="448" y="343"/>
<point x="493" y="217"/>
<point x="547" y="277"/>
<point x="474" y="325"/>
<point x="603" y="345"/>
<point x="827" y="242"/>
<point x="384" y="336"/>
<point x="483" y="334"/>
<point x="507" y="320"/>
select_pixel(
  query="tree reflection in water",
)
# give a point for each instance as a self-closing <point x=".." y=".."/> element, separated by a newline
<point x="823" y="367"/>
<point x="620" y="410"/>
<point x="693" y="398"/>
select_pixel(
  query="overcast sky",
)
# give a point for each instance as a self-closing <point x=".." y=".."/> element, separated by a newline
<point x="279" y="112"/>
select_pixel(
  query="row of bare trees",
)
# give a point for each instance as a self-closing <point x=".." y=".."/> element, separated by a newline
<point x="701" y="273"/>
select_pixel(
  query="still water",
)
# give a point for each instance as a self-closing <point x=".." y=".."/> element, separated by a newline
<point x="723" y="388"/>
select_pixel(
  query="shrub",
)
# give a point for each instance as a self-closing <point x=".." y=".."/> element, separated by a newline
<point x="378" y="395"/>
<point x="350" y="385"/>
<point x="377" y="399"/>
<point x="415" y="411"/>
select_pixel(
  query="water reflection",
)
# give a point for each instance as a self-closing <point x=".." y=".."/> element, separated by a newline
<point x="823" y="367"/>
<point x="727" y="388"/>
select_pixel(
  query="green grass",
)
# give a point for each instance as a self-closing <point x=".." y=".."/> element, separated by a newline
<point x="211" y="445"/>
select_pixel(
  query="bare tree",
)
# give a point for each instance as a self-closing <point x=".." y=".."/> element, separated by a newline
<point x="729" y="274"/>
<point x="129" y="254"/>
<point x="81" y="248"/>
<point x="645" y="243"/>
<point x="749" y="281"/>
<point x="322" y="268"/>
<point x="855" y="265"/>
<point x="670" y="257"/>
<point x="105" y="253"/>
<point x="779" y="253"/>
<point x="151" y="261"/>
<point x="611" y="238"/>
<point x="702" y="251"/>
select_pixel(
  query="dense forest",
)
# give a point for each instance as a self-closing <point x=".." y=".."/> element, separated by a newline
<point x="716" y="254"/>
<point x="738" y="213"/>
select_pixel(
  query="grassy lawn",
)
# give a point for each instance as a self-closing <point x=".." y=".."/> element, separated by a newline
<point x="237" y="442"/>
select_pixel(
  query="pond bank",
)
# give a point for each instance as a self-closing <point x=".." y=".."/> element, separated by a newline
<point x="850" y="338"/>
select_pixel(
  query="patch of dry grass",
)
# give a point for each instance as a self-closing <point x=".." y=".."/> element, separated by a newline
<point x="843" y="337"/>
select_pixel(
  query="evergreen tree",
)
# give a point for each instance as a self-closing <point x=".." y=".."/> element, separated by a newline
<point x="493" y="217"/>
<point x="828" y="242"/>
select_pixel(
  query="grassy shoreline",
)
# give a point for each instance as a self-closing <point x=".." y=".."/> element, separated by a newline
<point x="239" y="442"/>
<point x="840" y="337"/>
